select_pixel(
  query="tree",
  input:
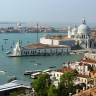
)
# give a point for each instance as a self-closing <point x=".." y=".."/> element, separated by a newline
<point x="13" y="93"/>
<point x="60" y="36"/>
<point x="41" y="84"/>
<point x="52" y="91"/>
<point x="66" y="84"/>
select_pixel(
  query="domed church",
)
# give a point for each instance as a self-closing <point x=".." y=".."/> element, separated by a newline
<point x="81" y="35"/>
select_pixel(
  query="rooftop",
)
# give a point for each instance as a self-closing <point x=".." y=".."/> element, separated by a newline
<point x="40" y="46"/>
<point x="88" y="91"/>
<point x="64" y="70"/>
<point x="88" y="61"/>
<point x="15" y="84"/>
<point x="83" y="76"/>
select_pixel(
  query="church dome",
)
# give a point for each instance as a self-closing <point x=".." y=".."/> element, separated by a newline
<point x="83" y="29"/>
<point x="74" y="30"/>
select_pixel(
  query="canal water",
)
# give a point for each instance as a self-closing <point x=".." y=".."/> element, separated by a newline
<point x="15" y="66"/>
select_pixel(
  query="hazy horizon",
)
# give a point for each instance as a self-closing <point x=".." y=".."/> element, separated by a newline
<point x="48" y="10"/>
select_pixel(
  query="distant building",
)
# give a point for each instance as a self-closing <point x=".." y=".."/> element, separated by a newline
<point x="80" y="36"/>
<point x="20" y="28"/>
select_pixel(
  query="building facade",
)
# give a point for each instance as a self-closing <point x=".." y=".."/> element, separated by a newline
<point x="39" y="49"/>
<point x="81" y="35"/>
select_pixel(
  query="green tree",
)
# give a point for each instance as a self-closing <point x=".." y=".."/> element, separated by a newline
<point x="66" y="84"/>
<point x="41" y="84"/>
<point x="52" y="91"/>
<point x="60" y="36"/>
<point x="13" y="93"/>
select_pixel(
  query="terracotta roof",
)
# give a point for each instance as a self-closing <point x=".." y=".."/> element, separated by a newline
<point x="81" y="64"/>
<point x="39" y="45"/>
<point x="86" y="92"/>
<point x="88" y="61"/>
<point x="84" y="76"/>
<point x="64" y="70"/>
<point x="94" y="71"/>
<point x="63" y="38"/>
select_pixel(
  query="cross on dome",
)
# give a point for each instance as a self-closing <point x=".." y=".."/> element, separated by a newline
<point x="84" y="21"/>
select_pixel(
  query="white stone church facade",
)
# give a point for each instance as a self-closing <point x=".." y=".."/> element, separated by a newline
<point x="81" y="35"/>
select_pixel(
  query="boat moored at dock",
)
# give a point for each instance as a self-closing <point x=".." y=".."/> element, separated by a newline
<point x="31" y="72"/>
<point x="35" y="75"/>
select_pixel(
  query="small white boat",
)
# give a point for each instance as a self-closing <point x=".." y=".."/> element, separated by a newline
<point x="8" y="52"/>
<point x="3" y="71"/>
<point x="72" y="53"/>
<point x="38" y="64"/>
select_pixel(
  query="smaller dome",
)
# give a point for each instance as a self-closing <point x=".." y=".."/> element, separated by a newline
<point x="74" y="30"/>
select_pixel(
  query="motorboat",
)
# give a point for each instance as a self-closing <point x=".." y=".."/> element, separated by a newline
<point x="5" y="39"/>
<point x="2" y="71"/>
<point x="13" y="78"/>
<point x="38" y="63"/>
<point x="52" y="67"/>
<point x="8" y="52"/>
<point x="32" y="61"/>
<point x="72" y="53"/>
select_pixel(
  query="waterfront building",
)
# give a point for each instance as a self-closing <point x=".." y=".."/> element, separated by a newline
<point x="20" y="28"/>
<point x="39" y="49"/>
<point x="81" y="35"/>
<point x="91" y="56"/>
<point x="56" y="40"/>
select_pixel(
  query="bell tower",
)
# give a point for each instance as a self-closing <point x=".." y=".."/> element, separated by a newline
<point x="69" y="31"/>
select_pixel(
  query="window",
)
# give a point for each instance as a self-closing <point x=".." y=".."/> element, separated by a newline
<point x="57" y="75"/>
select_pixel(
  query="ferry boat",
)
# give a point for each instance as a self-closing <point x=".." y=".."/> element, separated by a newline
<point x="31" y="72"/>
<point x="8" y="52"/>
<point x="35" y="75"/>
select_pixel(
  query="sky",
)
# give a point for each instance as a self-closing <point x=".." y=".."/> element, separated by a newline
<point x="48" y="10"/>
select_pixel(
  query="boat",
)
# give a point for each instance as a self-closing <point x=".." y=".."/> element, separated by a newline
<point x="5" y="39"/>
<point x="8" y="52"/>
<point x="35" y="75"/>
<point x="3" y="71"/>
<point x="52" y="67"/>
<point x="38" y="64"/>
<point x="72" y="53"/>
<point x="32" y="61"/>
<point x="13" y="78"/>
<point x="31" y="72"/>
